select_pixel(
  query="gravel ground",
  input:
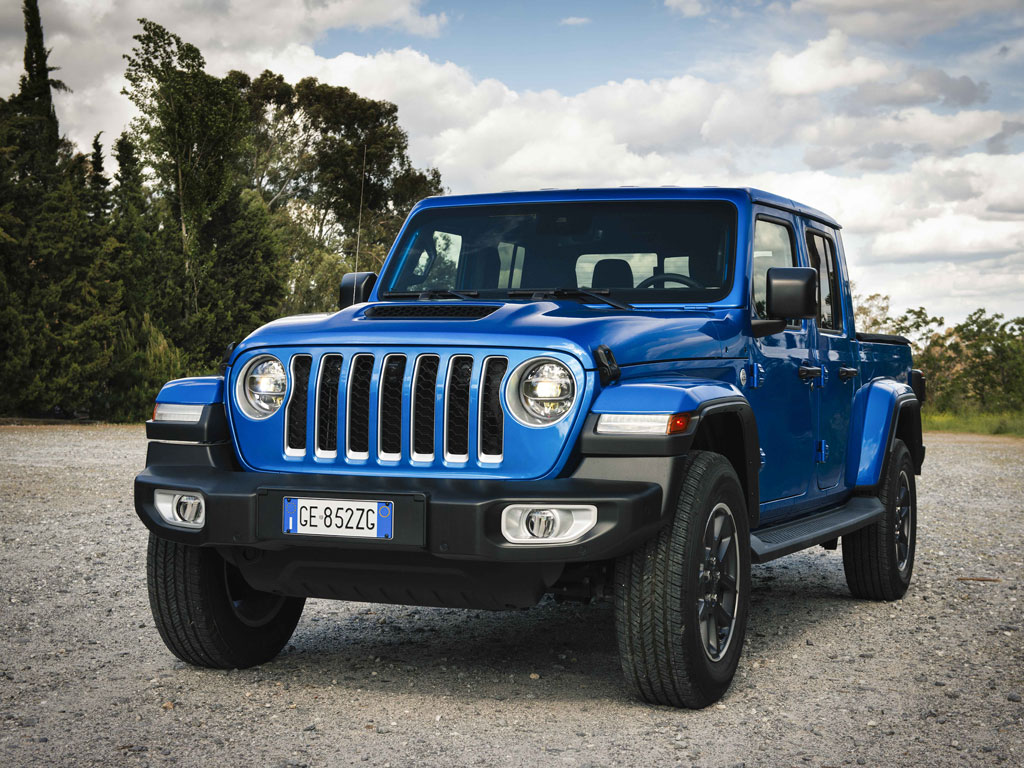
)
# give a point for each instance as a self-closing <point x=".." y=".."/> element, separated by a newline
<point x="935" y="679"/>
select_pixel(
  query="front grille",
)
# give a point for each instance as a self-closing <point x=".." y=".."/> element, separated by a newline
<point x="359" y="407"/>
<point x="296" y="414"/>
<point x="327" y="406"/>
<point x="389" y="407"/>
<point x="460" y="376"/>
<point x="492" y="418"/>
<point x="424" y="386"/>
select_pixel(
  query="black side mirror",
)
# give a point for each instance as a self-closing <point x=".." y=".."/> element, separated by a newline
<point x="356" y="288"/>
<point x="792" y="294"/>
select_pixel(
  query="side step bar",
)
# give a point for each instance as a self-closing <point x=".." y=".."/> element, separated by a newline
<point x="793" y="535"/>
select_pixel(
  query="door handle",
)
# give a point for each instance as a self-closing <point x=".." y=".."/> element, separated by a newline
<point x="845" y="374"/>
<point x="809" y="372"/>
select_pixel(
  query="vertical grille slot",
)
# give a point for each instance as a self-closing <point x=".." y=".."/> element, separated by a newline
<point x="327" y="406"/>
<point x="460" y="375"/>
<point x="389" y="408"/>
<point x="358" y="420"/>
<point x="424" y="384"/>
<point x="295" y="415"/>
<point x="492" y="418"/>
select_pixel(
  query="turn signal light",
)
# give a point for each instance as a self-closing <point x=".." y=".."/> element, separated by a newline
<point x="677" y="423"/>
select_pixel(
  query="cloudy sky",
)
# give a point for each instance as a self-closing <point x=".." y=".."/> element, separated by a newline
<point x="902" y="118"/>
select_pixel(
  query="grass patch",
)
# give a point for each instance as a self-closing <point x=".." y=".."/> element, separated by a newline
<point x="1003" y="423"/>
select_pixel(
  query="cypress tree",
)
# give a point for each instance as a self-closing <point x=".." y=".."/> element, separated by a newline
<point x="40" y="140"/>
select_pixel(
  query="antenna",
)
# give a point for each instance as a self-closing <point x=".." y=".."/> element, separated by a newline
<point x="359" y="221"/>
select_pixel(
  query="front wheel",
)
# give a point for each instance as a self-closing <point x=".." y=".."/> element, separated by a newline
<point x="879" y="559"/>
<point x="682" y="598"/>
<point x="208" y="615"/>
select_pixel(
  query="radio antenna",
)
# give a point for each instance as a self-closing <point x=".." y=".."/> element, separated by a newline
<point x="359" y="221"/>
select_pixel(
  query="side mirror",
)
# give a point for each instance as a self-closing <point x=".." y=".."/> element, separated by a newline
<point x="356" y="288"/>
<point x="791" y="294"/>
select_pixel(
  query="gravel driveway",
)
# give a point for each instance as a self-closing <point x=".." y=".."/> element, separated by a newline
<point x="935" y="679"/>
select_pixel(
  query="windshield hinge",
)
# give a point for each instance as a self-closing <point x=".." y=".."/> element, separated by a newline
<point x="607" y="369"/>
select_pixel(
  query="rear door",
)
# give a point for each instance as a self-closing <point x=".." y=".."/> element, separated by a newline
<point x="834" y="348"/>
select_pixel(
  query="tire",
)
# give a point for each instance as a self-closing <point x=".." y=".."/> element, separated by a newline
<point x="879" y="559"/>
<point x="207" y="615"/>
<point x="661" y="593"/>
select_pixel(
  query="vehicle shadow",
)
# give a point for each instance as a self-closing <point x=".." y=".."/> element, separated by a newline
<point x="570" y="647"/>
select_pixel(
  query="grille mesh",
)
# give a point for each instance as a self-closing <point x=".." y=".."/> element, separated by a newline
<point x="423" y="405"/>
<point x="391" y="405"/>
<point x="457" y="427"/>
<point x="327" y="404"/>
<point x="301" y="365"/>
<point x="359" y="404"/>
<point x="492" y="418"/>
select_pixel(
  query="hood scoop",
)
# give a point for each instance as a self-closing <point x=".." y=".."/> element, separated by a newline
<point x="429" y="311"/>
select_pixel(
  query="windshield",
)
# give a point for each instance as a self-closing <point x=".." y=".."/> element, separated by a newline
<point x="674" y="251"/>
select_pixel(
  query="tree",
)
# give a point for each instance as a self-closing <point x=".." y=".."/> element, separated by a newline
<point x="190" y="129"/>
<point x="338" y="164"/>
<point x="39" y="139"/>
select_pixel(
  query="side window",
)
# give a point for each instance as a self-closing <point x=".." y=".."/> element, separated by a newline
<point x="773" y="247"/>
<point x="823" y="258"/>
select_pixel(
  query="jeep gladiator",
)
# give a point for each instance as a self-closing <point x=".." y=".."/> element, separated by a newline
<point x="625" y="393"/>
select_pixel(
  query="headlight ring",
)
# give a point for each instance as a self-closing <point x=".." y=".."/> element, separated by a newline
<point x="541" y="392"/>
<point x="260" y="389"/>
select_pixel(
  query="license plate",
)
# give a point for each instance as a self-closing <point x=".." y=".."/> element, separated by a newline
<point x="354" y="518"/>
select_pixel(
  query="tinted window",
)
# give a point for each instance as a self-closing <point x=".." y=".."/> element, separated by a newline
<point x="823" y="258"/>
<point x="612" y="246"/>
<point x="773" y="247"/>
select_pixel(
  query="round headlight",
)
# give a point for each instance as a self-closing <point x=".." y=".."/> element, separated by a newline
<point x="547" y="390"/>
<point x="263" y="385"/>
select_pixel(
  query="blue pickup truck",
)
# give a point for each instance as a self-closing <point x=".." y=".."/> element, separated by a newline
<point x="623" y="393"/>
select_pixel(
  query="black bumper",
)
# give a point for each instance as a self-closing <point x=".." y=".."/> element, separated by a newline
<point x="447" y="519"/>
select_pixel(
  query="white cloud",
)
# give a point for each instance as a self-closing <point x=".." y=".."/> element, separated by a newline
<point x="824" y="65"/>
<point x="838" y="139"/>
<point x="899" y="19"/>
<point x="574" y="21"/>
<point x="928" y="216"/>
<point x="687" y="8"/>
<point x="923" y="86"/>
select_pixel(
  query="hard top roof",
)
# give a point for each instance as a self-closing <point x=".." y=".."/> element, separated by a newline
<point x="734" y="194"/>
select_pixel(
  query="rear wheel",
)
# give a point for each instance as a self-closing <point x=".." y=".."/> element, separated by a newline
<point x="682" y="598"/>
<point x="208" y="615"/>
<point x="879" y="559"/>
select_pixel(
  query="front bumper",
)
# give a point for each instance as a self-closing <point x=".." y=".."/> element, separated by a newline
<point x="447" y="519"/>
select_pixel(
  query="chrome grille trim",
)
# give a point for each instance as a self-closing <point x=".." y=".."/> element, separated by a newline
<point x="298" y="395"/>
<point x="323" y="367"/>
<point x="353" y="370"/>
<point x="383" y="404"/>
<point x="449" y="405"/>
<point x="435" y="363"/>
<point x="483" y="401"/>
<point x="385" y="407"/>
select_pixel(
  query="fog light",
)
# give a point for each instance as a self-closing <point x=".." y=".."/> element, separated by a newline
<point x="188" y="508"/>
<point x="540" y="524"/>
<point x="184" y="509"/>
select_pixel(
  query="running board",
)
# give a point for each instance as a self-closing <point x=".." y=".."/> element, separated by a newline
<point x="792" y="536"/>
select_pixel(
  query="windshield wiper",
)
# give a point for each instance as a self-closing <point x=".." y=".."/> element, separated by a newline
<point x="433" y="293"/>
<point x="599" y="294"/>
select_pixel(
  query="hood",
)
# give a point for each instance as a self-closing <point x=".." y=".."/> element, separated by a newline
<point x="635" y="336"/>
